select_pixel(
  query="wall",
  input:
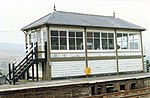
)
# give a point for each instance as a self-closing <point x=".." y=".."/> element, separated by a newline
<point x="69" y="91"/>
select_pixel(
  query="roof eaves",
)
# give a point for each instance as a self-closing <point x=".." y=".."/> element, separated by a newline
<point x="98" y="26"/>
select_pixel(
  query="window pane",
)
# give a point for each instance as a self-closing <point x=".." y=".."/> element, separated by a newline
<point x="71" y="43"/>
<point x="110" y="35"/>
<point x="97" y="44"/>
<point x="131" y="41"/>
<point x="54" y="33"/>
<point x="119" y="35"/>
<point x="44" y="36"/>
<point x="89" y="34"/>
<point x="63" y="33"/>
<point x="79" y="43"/>
<point x="111" y="43"/>
<point x="96" y="35"/>
<point x="79" y="34"/>
<point x="125" y="41"/>
<point x="63" y="44"/>
<point x="89" y="43"/>
<point x="104" y="35"/>
<point x="104" y="44"/>
<point x="54" y="43"/>
<point x="119" y="40"/>
<point x="71" y="34"/>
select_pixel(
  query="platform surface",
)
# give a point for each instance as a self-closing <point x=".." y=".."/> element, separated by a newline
<point x="87" y="80"/>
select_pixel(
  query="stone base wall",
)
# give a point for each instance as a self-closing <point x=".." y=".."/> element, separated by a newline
<point x="70" y="91"/>
<point x="79" y="90"/>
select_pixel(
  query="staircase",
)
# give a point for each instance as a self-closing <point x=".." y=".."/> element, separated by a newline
<point x="20" y="68"/>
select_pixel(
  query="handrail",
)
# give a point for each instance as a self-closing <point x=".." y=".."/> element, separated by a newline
<point x="23" y="55"/>
<point x="22" y="60"/>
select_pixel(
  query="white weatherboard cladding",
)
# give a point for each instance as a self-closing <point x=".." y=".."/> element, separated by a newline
<point x="130" y="65"/>
<point x="102" y="66"/>
<point x="68" y="68"/>
<point x="127" y="53"/>
<point x="92" y="54"/>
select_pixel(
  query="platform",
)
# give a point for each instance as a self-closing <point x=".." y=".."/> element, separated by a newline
<point x="88" y="80"/>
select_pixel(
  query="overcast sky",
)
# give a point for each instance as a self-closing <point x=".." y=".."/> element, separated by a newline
<point x="16" y="14"/>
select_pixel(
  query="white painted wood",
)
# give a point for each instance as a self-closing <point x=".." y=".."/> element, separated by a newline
<point x="68" y="68"/>
<point x="102" y="66"/>
<point x="128" y="53"/>
<point x="77" y="68"/>
<point x="130" y="65"/>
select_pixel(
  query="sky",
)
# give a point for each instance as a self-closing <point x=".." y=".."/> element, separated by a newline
<point x="16" y="14"/>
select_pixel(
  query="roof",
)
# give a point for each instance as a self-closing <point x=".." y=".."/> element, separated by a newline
<point x="79" y="19"/>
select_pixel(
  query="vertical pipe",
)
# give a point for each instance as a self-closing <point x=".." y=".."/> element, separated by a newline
<point x="13" y="68"/>
<point x="142" y="54"/>
<point x="85" y="44"/>
<point x="116" y="48"/>
<point x="9" y="66"/>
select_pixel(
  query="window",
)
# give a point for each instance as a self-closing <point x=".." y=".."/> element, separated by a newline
<point x="128" y="41"/>
<point x="63" y="40"/>
<point x="134" y="41"/>
<point x="107" y="41"/>
<point x="109" y="88"/>
<point x="44" y="36"/>
<point x="133" y="86"/>
<point x="58" y="40"/>
<point x="93" y="40"/>
<point x="33" y="37"/>
<point x="39" y="37"/>
<point x="122" y="87"/>
<point x="75" y="40"/>
<point x="90" y="44"/>
<point x="122" y="41"/>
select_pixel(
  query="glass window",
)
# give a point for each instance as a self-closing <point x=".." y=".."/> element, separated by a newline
<point x="128" y="41"/>
<point x="44" y="37"/>
<point x="93" y="40"/>
<point x="134" y="41"/>
<point x="33" y="37"/>
<point x="107" y="41"/>
<point x="58" y="40"/>
<point x="75" y="40"/>
<point x="71" y="34"/>
<point x="54" y="33"/>
<point x="71" y="43"/>
<point x="54" y="43"/>
<point x="79" y="34"/>
<point x="96" y="41"/>
<point x="63" y="40"/>
<point x="122" y="40"/>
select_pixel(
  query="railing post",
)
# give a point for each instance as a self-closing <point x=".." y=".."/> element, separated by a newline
<point x="13" y="68"/>
<point x="147" y="66"/>
<point x="9" y="66"/>
<point x="45" y="51"/>
<point x="37" y="61"/>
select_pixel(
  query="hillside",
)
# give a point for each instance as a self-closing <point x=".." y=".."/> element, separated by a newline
<point x="8" y="53"/>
